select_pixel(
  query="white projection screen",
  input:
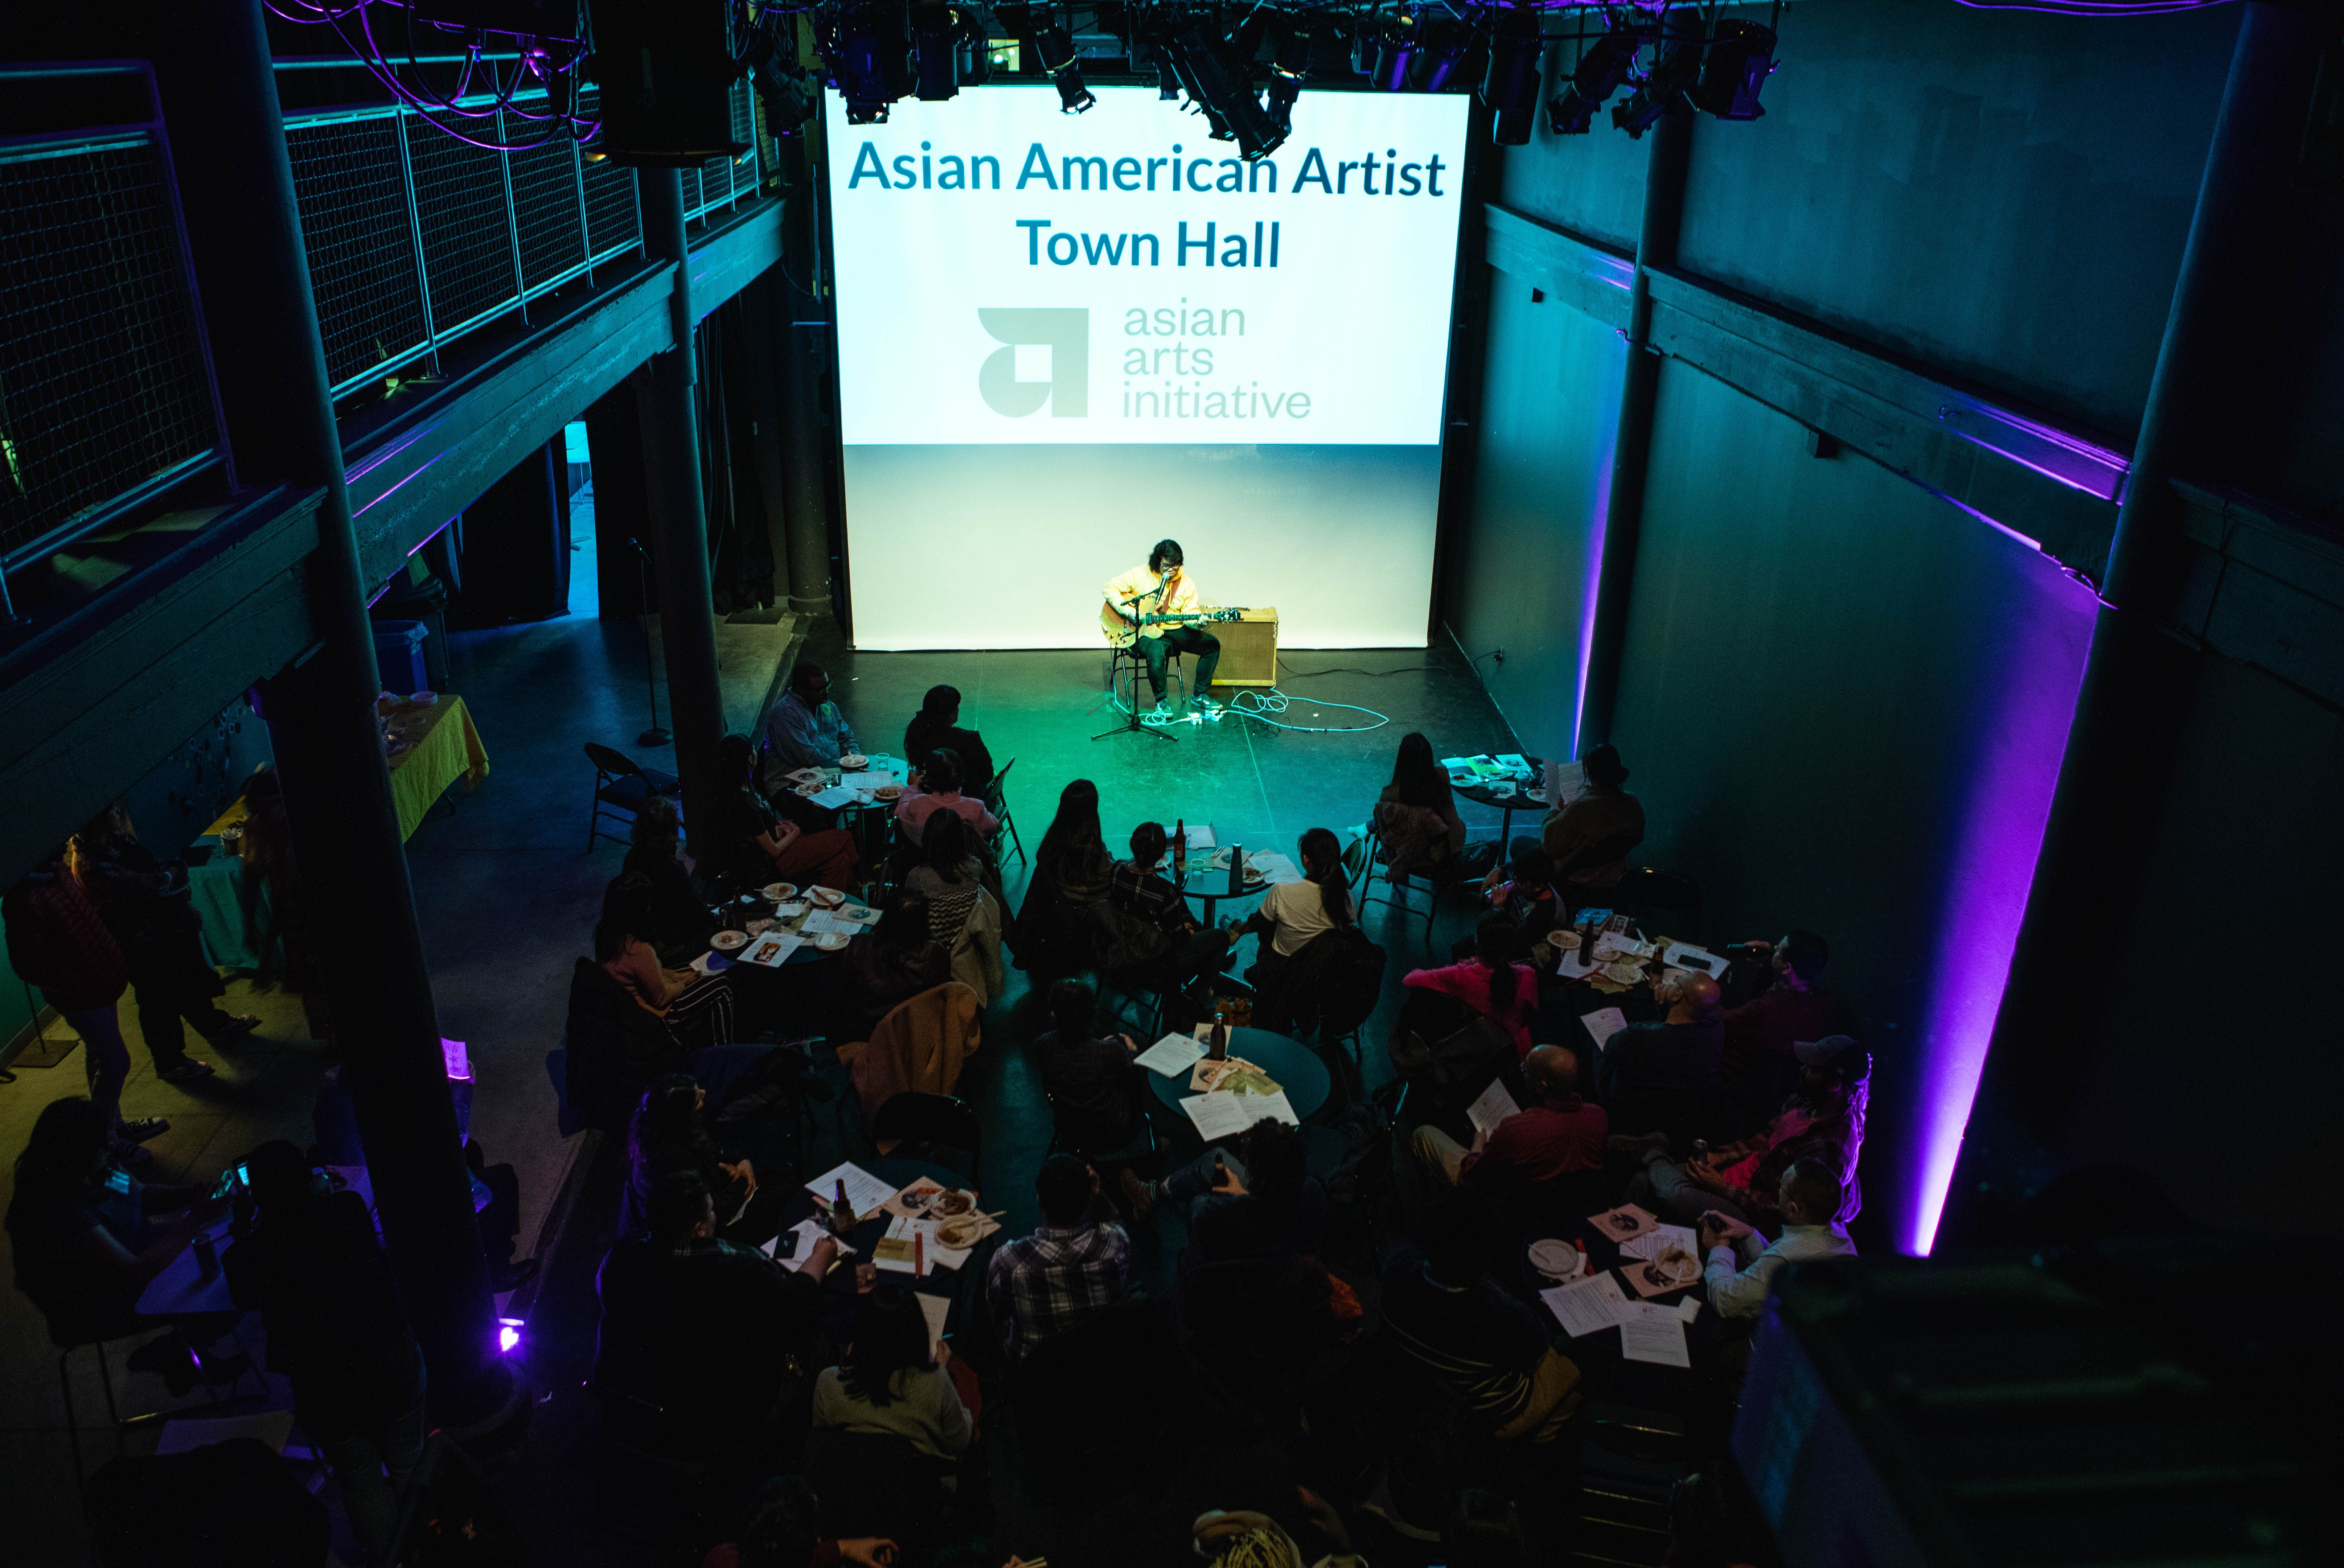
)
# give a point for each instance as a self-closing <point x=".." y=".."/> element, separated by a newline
<point x="1063" y="337"/>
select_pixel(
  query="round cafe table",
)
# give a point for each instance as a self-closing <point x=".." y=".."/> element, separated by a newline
<point x="1526" y="794"/>
<point x="1290" y="1064"/>
<point x="839" y="1289"/>
<point x="1211" y="884"/>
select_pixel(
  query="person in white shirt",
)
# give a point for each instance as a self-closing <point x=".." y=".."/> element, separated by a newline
<point x="1162" y="587"/>
<point x="1742" y="1265"/>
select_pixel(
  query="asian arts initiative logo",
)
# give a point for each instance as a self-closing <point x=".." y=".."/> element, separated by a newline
<point x="1066" y="333"/>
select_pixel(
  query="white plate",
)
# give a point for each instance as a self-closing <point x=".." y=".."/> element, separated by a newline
<point x="729" y="942"/>
<point x="824" y="897"/>
<point x="1563" y="942"/>
<point x="777" y="892"/>
<point x="852" y="762"/>
<point x="831" y="941"/>
<point x="1556" y="1259"/>
<point x="1624" y="974"/>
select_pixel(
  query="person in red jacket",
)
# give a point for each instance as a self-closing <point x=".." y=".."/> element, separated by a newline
<point x="58" y="942"/>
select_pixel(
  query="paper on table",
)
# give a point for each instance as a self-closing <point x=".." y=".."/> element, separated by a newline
<point x="1657" y="1337"/>
<point x="1277" y="869"/>
<point x="936" y="1309"/>
<point x="1491" y="1105"/>
<point x="772" y="950"/>
<point x="1171" y="1056"/>
<point x="821" y="922"/>
<point x="712" y="962"/>
<point x="1689" y="1308"/>
<point x="864" y="1191"/>
<point x="1626" y="1222"/>
<point x="899" y="1258"/>
<point x="1684" y="956"/>
<point x="861" y="781"/>
<point x="1603" y="1023"/>
<point x="1574" y="966"/>
<point x="1586" y="1306"/>
<point x="1262" y="1107"/>
<point x="1200" y="836"/>
<point x="1218" y="1115"/>
<point x="831" y="798"/>
<point x="1658" y="1240"/>
<point x="808" y="1231"/>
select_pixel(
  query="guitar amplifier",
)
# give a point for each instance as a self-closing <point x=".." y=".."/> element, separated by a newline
<point x="1248" y="649"/>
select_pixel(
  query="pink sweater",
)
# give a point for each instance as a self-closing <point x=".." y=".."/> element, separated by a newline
<point x="1468" y="982"/>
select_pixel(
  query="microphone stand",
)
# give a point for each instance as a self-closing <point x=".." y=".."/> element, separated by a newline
<point x="1131" y="724"/>
<point x="654" y="736"/>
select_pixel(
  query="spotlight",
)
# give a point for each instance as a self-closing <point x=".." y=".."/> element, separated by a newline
<point x="1222" y="86"/>
<point x="1289" y="68"/>
<point x="1662" y="90"/>
<point x="786" y="91"/>
<point x="1601" y="71"/>
<point x="1511" y="86"/>
<point x="1447" y="42"/>
<point x="871" y="64"/>
<point x="1053" y="47"/>
<point x="508" y="1336"/>
<point x="936" y="45"/>
<point x="973" y="51"/>
<point x="1741" y="57"/>
<point x="1396" y="43"/>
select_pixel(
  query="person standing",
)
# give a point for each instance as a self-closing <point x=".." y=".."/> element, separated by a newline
<point x="1136" y="602"/>
<point x="58" y="942"/>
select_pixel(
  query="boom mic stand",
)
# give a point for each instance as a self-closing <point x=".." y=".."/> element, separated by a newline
<point x="654" y="736"/>
<point x="1131" y="724"/>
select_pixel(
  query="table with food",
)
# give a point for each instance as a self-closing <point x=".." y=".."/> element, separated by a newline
<point x="1601" y="970"/>
<point x="782" y="923"/>
<point x="862" y="790"/>
<point x="1625" y="1287"/>
<point x="1259" y="1075"/>
<point x="920" y="1224"/>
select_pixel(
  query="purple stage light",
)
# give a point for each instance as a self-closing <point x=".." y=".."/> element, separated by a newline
<point x="508" y="1335"/>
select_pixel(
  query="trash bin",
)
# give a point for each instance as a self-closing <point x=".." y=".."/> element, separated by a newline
<point x="399" y="652"/>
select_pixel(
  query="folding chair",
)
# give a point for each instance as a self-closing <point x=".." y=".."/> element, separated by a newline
<point x="620" y="787"/>
<point x="997" y="803"/>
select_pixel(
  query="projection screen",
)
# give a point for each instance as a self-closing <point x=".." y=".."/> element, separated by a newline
<point x="1063" y="337"/>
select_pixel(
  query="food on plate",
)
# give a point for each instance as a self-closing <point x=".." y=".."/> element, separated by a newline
<point x="852" y="762"/>
<point x="960" y="1232"/>
<point x="956" y="1202"/>
<point x="777" y="892"/>
<point x="729" y="942"/>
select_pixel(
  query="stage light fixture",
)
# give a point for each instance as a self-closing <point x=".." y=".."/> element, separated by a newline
<point x="936" y="50"/>
<point x="1222" y="85"/>
<point x="1055" y="48"/>
<point x="788" y="94"/>
<point x="1449" y="45"/>
<point x="1290" y="67"/>
<point x="1662" y="90"/>
<point x="1741" y="57"/>
<point x="1601" y="71"/>
<point x="975" y="48"/>
<point x="1511" y="87"/>
<point x="1397" y="41"/>
<point x="873" y="65"/>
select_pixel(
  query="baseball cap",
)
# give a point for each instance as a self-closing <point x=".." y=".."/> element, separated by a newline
<point x="1825" y="1051"/>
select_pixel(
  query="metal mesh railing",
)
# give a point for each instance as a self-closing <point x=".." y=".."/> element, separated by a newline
<point x="549" y="209"/>
<point x="466" y="219"/>
<point x="104" y="389"/>
<point x="351" y="185"/>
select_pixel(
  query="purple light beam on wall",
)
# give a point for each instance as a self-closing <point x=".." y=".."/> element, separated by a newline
<point x="1600" y="528"/>
<point x="2015" y="752"/>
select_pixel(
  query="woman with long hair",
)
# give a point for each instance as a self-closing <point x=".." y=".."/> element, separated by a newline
<point x="1071" y="870"/>
<point x="949" y="876"/>
<point x="899" y="959"/>
<point x="1293" y="914"/>
<point x="937" y="723"/>
<point x="758" y="844"/>
<point x="680" y="917"/>
<point x="890" y="1383"/>
<point x="1492" y="983"/>
<point x="1418" y="829"/>
<point x="669" y="1133"/>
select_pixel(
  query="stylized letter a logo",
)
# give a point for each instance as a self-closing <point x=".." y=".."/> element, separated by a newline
<point x="1068" y="336"/>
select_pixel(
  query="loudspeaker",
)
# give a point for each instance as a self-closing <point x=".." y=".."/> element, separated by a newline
<point x="665" y="72"/>
<point x="1248" y="649"/>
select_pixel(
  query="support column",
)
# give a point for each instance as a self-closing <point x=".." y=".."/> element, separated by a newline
<point x="678" y="535"/>
<point x="2134" y="708"/>
<point x="219" y="93"/>
<point x="802" y="322"/>
<point x="1632" y="449"/>
<point x="759" y="383"/>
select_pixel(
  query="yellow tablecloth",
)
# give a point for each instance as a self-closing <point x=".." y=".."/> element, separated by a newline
<point x="447" y="748"/>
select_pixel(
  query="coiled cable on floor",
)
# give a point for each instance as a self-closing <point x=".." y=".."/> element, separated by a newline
<point x="1259" y="703"/>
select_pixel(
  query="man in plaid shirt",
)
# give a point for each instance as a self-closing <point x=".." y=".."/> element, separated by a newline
<point x="1069" y="1267"/>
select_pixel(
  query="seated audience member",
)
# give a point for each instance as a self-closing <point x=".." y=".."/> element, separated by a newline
<point x="680" y="917"/>
<point x="890" y="1385"/>
<point x="1292" y="913"/>
<point x="1074" y="1264"/>
<point x="1155" y="931"/>
<point x="805" y="728"/>
<point x="1418" y="831"/>
<point x="617" y="1042"/>
<point x="1527" y="896"/>
<point x="161" y="937"/>
<point x="1588" y="840"/>
<point x="949" y="876"/>
<point x="702" y="1328"/>
<point x="1677" y="1055"/>
<point x="780" y="1534"/>
<point x="1822" y="1124"/>
<point x="757" y="845"/>
<point x="937" y="723"/>
<point x="899" y="959"/>
<point x="697" y="1006"/>
<point x="937" y="788"/>
<point x="1264" y="1204"/>
<point x="1490" y="982"/>
<point x="311" y="1266"/>
<point x="1052" y="934"/>
<point x="89" y="1237"/>
<point x="1442" y="1309"/>
<point x="1555" y="1134"/>
<point x="1742" y="1266"/>
<point x="1087" y="1075"/>
<point x="669" y="1134"/>
<point x="1245" y="1538"/>
<point x="1792" y="1006"/>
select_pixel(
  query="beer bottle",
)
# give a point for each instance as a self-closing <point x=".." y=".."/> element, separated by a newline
<point x="1180" y="850"/>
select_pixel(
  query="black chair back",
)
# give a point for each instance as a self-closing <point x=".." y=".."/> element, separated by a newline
<point x="875" y="1484"/>
<point x="936" y="1120"/>
<point x="618" y="764"/>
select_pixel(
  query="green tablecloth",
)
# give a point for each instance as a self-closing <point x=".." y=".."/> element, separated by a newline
<point x="212" y="889"/>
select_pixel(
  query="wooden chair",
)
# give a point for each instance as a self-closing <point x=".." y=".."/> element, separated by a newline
<point x="620" y="787"/>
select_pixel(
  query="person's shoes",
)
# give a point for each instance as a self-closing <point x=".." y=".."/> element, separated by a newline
<point x="513" y="1275"/>
<point x="138" y="1129"/>
<point x="187" y="1071"/>
<point x="1140" y="1195"/>
<point x="1208" y="707"/>
<point x="237" y="1027"/>
<point x="1161" y="714"/>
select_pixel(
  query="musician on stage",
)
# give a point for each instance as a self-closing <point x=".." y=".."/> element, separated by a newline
<point x="1135" y="601"/>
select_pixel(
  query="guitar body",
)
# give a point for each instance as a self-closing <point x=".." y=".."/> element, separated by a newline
<point x="1121" y="633"/>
